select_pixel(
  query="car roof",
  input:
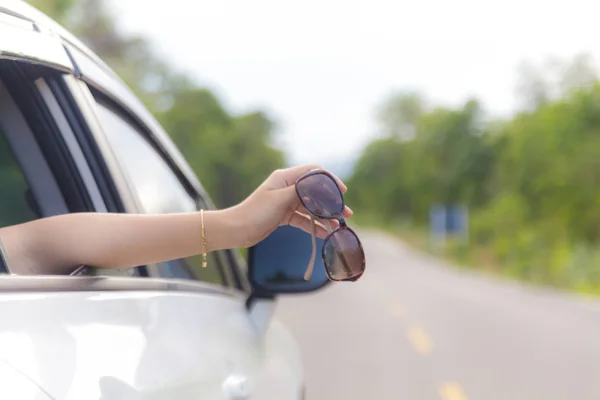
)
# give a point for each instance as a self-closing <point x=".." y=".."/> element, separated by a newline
<point x="23" y="10"/>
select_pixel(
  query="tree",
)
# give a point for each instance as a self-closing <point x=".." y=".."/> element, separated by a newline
<point x="60" y="10"/>
<point x="579" y="74"/>
<point x="533" y="87"/>
<point x="445" y="162"/>
<point x="231" y="155"/>
<point x="399" y="115"/>
<point x="554" y="79"/>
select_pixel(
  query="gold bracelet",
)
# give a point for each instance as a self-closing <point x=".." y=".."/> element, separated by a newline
<point x="204" y="260"/>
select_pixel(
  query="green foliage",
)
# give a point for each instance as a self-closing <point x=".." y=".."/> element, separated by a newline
<point x="532" y="183"/>
<point x="58" y="9"/>
<point x="444" y="162"/>
<point x="230" y="154"/>
<point x="401" y="113"/>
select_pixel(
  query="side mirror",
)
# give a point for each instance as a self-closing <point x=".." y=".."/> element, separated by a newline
<point x="278" y="263"/>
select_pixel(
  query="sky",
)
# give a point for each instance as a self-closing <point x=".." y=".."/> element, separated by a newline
<point x="322" y="68"/>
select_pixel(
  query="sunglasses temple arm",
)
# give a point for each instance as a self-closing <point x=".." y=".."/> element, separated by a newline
<point x="339" y="253"/>
<point x="313" y="256"/>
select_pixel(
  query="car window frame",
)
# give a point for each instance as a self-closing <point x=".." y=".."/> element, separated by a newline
<point x="226" y="268"/>
<point x="89" y="74"/>
<point x="90" y="165"/>
<point x="79" y="159"/>
<point x="28" y="154"/>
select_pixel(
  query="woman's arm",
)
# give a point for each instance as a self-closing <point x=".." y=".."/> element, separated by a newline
<point x="58" y="244"/>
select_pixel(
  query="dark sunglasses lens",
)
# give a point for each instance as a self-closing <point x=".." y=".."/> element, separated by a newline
<point x="344" y="256"/>
<point x="321" y="195"/>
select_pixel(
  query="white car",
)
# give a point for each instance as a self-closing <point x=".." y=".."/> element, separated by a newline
<point x="74" y="138"/>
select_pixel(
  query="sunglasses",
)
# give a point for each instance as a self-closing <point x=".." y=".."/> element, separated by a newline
<point x="342" y="252"/>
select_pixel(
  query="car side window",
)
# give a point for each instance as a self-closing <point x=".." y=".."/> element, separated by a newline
<point x="17" y="203"/>
<point x="157" y="188"/>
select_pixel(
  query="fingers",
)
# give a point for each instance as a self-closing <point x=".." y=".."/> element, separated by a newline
<point x="348" y="212"/>
<point x="282" y="178"/>
<point x="302" y="222"/>
<point x="341" y="184"/>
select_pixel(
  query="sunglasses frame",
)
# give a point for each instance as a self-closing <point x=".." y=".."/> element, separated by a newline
<point x="339" y="217"/>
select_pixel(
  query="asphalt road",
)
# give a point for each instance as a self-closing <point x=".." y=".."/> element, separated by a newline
<point x="414" y="328"/>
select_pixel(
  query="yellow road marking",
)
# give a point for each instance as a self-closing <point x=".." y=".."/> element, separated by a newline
<point x="397" y="310"/>
<point x="419" y="339"/>
<point x="452" y="391"/>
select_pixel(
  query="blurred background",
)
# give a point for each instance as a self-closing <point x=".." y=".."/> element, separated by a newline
<point x="468" y="133"/>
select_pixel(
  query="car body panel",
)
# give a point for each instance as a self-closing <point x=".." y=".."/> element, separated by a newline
<point x="129" y="344"/>
<point x="19" y="40"/>
<point x="117" y="337"/>
<point x="281" y="375"/>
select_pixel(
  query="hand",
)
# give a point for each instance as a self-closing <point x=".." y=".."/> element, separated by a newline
<point x="275" y="203"/>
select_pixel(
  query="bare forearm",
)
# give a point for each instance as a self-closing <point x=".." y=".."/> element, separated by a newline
<point x="60" y="243"/>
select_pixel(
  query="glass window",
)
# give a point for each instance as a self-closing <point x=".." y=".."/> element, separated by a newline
<point x="157" y="188"/>
<point x="17" y="203"/>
